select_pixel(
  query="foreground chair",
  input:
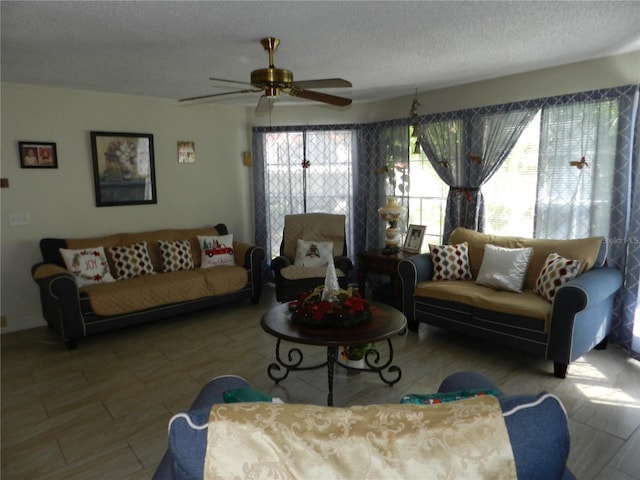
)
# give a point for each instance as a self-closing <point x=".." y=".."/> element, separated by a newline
<point x="309" y="241"/>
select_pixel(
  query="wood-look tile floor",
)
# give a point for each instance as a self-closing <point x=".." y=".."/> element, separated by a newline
<point x="101" y="411"/>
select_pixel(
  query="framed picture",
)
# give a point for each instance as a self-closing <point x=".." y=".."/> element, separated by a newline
<point x="38" y="155"/>
<point x="186" y="152"/>
<point x="123" y="168"/>
<point x="415" y="235"/>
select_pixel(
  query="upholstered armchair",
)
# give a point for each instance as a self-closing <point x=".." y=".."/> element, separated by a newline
<point x="309" y="242"/>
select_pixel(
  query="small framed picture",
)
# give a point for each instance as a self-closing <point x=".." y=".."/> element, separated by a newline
<point x="415" y="235"/>
<point x="38" y="155"/>
<point x="186" y="152"/>
<point x="123" y="168"/>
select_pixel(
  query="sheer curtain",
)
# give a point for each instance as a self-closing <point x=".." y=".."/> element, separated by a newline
<point x="465" y="154"/>
<point x="588" y="185"/>
<point x="299" y="170"/>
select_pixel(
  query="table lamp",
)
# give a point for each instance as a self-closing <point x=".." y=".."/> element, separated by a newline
<point x="392" y="212"/>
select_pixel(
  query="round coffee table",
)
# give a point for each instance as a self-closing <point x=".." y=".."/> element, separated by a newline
<point x="385" y="323"/>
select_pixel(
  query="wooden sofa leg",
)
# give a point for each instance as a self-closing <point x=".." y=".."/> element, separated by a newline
<point x="603" y="344"/>
<point x="413" y="326"/>
<point x="71" y="344"/>
<point x="560" y="369"/>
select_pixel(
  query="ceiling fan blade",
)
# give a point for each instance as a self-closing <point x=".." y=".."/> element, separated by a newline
<point x="323" y="83"/>
<point x="320" y="97"/>
<point x="213" y="79"/>
<point x="265" y="104"/>
<point x="202" y="97"/>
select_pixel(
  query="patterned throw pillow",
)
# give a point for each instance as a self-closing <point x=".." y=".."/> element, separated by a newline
<point x="217" y="251"/>
<point x="131" y="260"/>
<point x="88" y="265"/>
<point x="556" y="272"/>
<point x="450" y="262"/>
<point x="313" y="254"/>
<point x="176" y="255"/>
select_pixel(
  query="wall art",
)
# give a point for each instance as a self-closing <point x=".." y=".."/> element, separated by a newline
<point x="123" y="168"/>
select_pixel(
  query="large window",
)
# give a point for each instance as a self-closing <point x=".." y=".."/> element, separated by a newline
<point x="510" y="194"/>
<point x="306" y="171"/>
<point x="427" y="198"/>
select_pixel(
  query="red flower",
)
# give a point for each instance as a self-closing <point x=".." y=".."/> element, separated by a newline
<point x="321" y="310"/>
<point x="354" y="304"/>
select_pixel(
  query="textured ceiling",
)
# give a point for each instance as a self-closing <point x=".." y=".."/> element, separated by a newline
<point x="385" y="48"/>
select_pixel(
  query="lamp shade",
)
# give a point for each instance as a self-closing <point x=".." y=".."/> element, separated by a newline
<point x="392" y="212"/>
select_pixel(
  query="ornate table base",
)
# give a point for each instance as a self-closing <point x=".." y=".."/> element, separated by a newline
<point x="372" y="360"/>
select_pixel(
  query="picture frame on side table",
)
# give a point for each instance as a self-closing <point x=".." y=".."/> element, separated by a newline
<point x="413" y="241"/>
<point x="123" y="168"/>
<point x="38" y="155"/>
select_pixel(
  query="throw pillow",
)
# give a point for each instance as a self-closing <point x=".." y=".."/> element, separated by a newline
<point x="556" y="272"/>
<point x="313" y="254"/>
<point x="88" y="265"/>
<point x="131" y="261"/>
<point x="504" y="268"/>
<point x="217" y="250"/>
<point x="450" y="262"/>
<point x="176" y="255"/>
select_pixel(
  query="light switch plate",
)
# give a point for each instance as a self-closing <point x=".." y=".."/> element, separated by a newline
<point x="19" y="219"/>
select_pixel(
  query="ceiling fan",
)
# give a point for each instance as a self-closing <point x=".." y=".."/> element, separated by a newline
<point x="271" y="81"/>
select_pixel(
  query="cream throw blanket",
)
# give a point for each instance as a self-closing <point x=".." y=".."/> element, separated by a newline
<point x="459" y="440"/>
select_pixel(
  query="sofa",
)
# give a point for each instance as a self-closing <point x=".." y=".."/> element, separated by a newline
<point x="93" y="285"/>
<point x="549" y="298"/>
<point x="535" y="445"/>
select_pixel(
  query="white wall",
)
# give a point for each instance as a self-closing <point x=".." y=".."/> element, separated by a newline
<point x="61" y="201"/>
<point x="217" y="188"/>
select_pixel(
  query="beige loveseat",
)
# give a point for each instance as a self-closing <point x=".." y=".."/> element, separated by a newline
<point x="75" y="310"/>
<point x="562" y="328"/>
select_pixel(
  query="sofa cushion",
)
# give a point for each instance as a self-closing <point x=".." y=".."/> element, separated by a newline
<point x="310" y="253"/>
<point x="450" y="262"/>
<point x="150" y="291"/>
<point x="504" y="268"/>
<point x="526" y="304"/>
<point x="87" y="265"/>
<point x="589" y="251"/>
<point x="131" y="261"/>
<point x="216" y="250"/>
<point x="556" y="272"/>
<point x="176" y="255"/>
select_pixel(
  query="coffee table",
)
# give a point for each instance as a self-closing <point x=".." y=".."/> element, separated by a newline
<point x="385" y="323"/>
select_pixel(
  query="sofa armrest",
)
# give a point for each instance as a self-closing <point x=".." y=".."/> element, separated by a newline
<point x="413" y="270"/>
<point x="582" y="314"/>
<point x="280" y="262"/>
<point x="344" y="263"/>
<point x="60" y="301"/>
<point x="252" y="258"/>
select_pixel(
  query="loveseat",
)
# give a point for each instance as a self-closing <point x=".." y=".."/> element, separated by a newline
<point x="93" y="285"/>
<point x="549" y="298"/>
<point x="393" y="442"/>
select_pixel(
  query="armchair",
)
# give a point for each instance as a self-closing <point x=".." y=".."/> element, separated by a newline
<point x="292" y="276"/>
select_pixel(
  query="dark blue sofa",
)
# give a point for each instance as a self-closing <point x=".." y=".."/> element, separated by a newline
<point x="536" y="425"/>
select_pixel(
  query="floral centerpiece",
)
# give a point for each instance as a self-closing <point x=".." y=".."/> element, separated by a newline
<point x="337" y="308"/>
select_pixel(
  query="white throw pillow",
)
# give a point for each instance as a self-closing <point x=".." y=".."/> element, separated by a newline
<point x="217" y="250"/>
<point x="313" y="254"/>
<point x="88" y="265"/>
<point x="504" y="268"/>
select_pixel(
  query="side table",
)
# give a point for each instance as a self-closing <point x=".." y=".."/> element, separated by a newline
<point x="374" y="261"/>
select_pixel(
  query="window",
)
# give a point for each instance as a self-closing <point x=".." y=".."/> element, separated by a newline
<point x="427" y="198"/>
<point x="510" y="194"/>
<point x="306" y="171"/>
